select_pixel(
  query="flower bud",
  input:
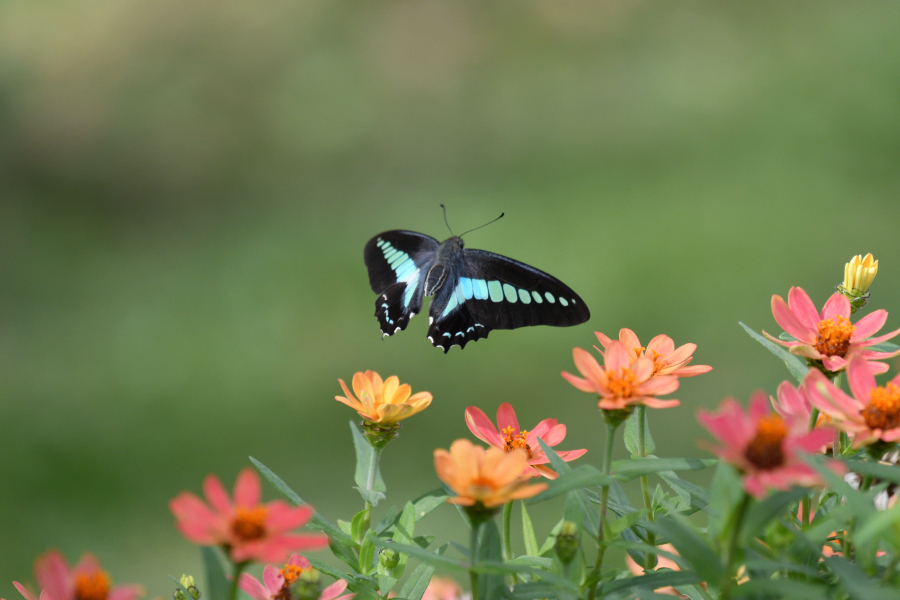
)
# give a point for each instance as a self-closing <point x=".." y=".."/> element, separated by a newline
<point x="306" y="587"/>
<point x="389" y="558"/>
<point x="858" y="276"/>
<point x="567" y="542"/>
<point x="187" y="582"/>
<point x="379" y="434"/>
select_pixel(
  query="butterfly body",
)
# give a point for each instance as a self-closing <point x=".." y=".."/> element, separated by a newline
<point x="474" y="291"/>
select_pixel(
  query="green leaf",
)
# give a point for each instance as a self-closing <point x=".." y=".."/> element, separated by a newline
<point x="631" y="435"/>
<point x="651" y="581"/>
<point x="329" y="570"/>
<point x="691" y="547"/>
<point x="884" y="347"/>
<point x="796" y="365"/>
<point x="878" y="526"/>
<point x="366" y="461"/>
<point x="216" y="583"/>
<point x="423" y="555"/>
<point x="760" y="514"/>
<point x="536" y="562"/>
<point x="418" y="580"/>
<point x="726" y="491"/>
<point x="781" y="588"/>
<point x="856" y="584"/>
<point x="626" y="470"/>
<point x="367" y="553"/>
<point x="489" y="551"/>
<point x="698" y="496"/>
<point x="580" y="477"/>
<point x="531" y="546"/>
<point x="877" y="470"/>
<point x="373" y="497"/>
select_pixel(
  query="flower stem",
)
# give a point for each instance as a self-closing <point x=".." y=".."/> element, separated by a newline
<point x="737" y="521"/>
<point x="473" y="550"/>
<point x="235" y="580"/>
<point x="649" y="558"/>
<point x="604" y="501"/>
<point x="507" y="545"/>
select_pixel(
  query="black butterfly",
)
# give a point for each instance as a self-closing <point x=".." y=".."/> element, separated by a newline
<point x="475" y="291"/>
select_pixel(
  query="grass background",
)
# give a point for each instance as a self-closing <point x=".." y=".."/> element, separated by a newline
<point x="186" y="189"/>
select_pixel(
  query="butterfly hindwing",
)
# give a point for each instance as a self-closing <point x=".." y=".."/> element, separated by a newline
<point x="450" y="322"/>
<point x="397" y="262"/>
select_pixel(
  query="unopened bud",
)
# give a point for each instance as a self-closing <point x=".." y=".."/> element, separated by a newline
<point x="187" y="582"/>
<point x="306" y="587"/>
<point x="858" y="276"/>
<point x="567" y="542"/>
<point x="389" y="558"/>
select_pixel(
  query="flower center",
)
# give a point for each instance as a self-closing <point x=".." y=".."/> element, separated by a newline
<point x="290" y="573"/>
<point x="764" y="450"/>
<point x="92" y="586"/>
<point x="622" y="384"/>
<point x="516" y="440"/>
<point x="883" y="411"/>
<point x="834" y="336"/>
<point x="249" y="523"/>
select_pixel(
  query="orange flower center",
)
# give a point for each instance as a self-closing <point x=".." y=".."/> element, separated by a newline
<point x="92" y="586"/>
<point x="623" y="384"/>
<point x="883" y="411"/>
<point x="290" y="573"/>
<point x="249" y="523"/>
<point x="516" y="440"/>
<point x="764" y="450"/>
<point x="834" y="336"/>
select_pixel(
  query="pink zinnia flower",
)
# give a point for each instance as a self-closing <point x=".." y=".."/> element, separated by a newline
<point x="249" y="529"/>
<point x="829" y="336"/>
<point x="87" y="581"/>
<point x="764" y="445"/>
<point x="621" y="382"/>
<point x="871" y="414"/>
<point x="276" y="583"/>
<point x="667" y="360"/>
<point x="509" y="437"/>
<point x="444" y="588"/>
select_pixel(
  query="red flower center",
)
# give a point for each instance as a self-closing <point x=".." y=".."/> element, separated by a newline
<point x="834" y="336"/>
<point x="249" y="523"/>
<point x="92" y="586"/>
<point x="622" y="385"/>
<point x="765" y="449"/>
<point x="883" y="411"/>
<point x="516" y="440"/>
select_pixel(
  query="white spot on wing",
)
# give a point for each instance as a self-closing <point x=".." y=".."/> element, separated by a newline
<point x="396" y="330"/>
<point x="430" y="320"/>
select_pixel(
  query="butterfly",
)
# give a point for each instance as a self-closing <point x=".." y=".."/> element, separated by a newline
<point x="474" y="291"/>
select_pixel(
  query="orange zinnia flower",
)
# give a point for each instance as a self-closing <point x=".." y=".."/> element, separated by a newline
<point x="384" y="402"/>
<point x="667" y="359"/>
<point x="489" y="477"/>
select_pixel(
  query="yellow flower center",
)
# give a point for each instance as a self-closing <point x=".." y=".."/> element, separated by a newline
<point x="623" y="384"/>
<point x="516" y="440"/>
<point x="765" y="450"/>
<point x="290" y="573"/>
<point x="883" y="411"/>
<point x="834" y="336"/>
<point x="92" y="586"/>
<point x="249" y="523"/>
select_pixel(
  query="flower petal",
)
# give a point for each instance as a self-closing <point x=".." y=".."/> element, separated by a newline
<point x="247" y="489"/>
<point x="482" y="427"/>
<point x="253" y="587"/>
<point x="216" y="495"/>
<point x="803" y="308"/>
<point x="52" y="574"/>
<point x="506" y="417"/>
<point x="836" y="306"/>
<point x="869" y="325"/>
<point x="785" y="317"/>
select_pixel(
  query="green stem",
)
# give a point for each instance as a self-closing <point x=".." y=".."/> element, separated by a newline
<point x="804" y="511"/>
<point x="738" y="520"/>
<point x="813" y="418"/>
<point x="649" y="558"/>
<point x="233" y="588"/>
<point x="473" y="549"/>
<point x="507" y="545"/>
<point x="889" y="571"/>
<point x="604" y="501"/>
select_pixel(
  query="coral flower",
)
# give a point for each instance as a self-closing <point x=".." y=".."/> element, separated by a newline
<point x="509" y="437"/>
<point x="829" y="336"/>
<point x="667" y="360"/>
<point x="249" y="529"/>
<point x="488" y="477"/>
<point x="383" y="402"/>
<point x="87" y="581"/>
<point x="276" y="583"/>
<point x="764" y="445"/>
<point x="621" y="382"/>
<point x="871" y="414"/>
<point x="662" y="562"/>
<point x="444" y="588"/>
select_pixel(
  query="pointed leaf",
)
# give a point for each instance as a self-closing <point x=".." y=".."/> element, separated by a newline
<point x="626" y="470"/>
<point x="366" y="467"/>
<point x="760" y="514"/>
<point x="215" y="574"/>
<point x="631" y="435"/>
<point x="489" y="551"/>
<point x="531" y="546"/>
<point x="795" y="365"/>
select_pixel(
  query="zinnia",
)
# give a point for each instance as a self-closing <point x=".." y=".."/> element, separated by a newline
<point x="276" y="583"/>
<point x="249" y="529"/>
<point x="667" y="360"/>
<point x="829" y="336"/>
<point x="384" y="402"/>
<point x="621" y="382"/>
<point x="509" y="437"/>
<point x="489" y="477"/>
<point x="764" y="445"/>
<point x="87" y="581"/>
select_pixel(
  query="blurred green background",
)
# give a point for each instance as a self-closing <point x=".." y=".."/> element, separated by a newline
<point x="186" y="189"/>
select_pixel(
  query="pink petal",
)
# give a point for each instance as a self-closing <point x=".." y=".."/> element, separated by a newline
<point x="24" y="591"/>
<point x="682" y="354"/>
<point x="482" y="427"/>
<point x="877" y="368"/>
<point x="693" y="370"/>
<point x="651" y="402"/>
<point x="860" y="379"/>
<point x="629" y="339"/>
<point x="869" y="325"/>
<point x="247" y="489"/>
<point x="643" y="369"/>
<point x="87" y="565"/>
<point x="582" y="384"/>
<point x="216" y="495"/>
<point x="604" y="341"/>
<point x="52" y="574"/>
<point x="837" y="306"/>
<point x="569" y="455"/>
<point x="823" y="395"/>
<point x="659" y="386"/>
<point x="334" y="590"/>
<point x="663" y="344"/>
<point x="195" y="520"/>
<point x="834" y="363"/>
<point x="813" y="441"/>
<point x="548" y="430"/>
<point x="759" y="406"/>
<point x="126" y="592"/>
<point x="281" y="516"/>
<point x="252" y="586"/>
<point x="785" y="317"/>
<point x="299" y="561"/>
<point x="877" y="340"/>
<point x="273" y="579"/>
<point x="617" y="356"/>
<point x="586" y="364"/>
<point x="803" y="308"/>
<point x="754" y="485"/>
<point x="506" y="417"/>
<point x="781" y="342"/>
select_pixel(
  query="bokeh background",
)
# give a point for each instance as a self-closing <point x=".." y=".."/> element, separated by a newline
<point x="186" y="189"/>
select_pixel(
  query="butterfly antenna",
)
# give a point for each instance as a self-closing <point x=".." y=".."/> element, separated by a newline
<point x="485" y="225"/>
<point x="445" y="220"/>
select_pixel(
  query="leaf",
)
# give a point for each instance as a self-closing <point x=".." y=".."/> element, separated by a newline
<point x="877" y="470"/>
<point x="855" y="582"/>
<point x="367" y="553"/>
<point x="626" y="470"/>
<point x="763" y="512"/>
<point x="652" y="580"/>
<point x="631" y="434"/>
<point x="216" y="582"/>
<point x="489" y="550"/>
<point x="580" y="477"/>
<point x="781" y="588"/>
<point x="690" y="546"/>
<point x="329" y="570"/>
<point x="418" y="581"/>
<point x="531" y="547"/>
<point x="725" y="492"/>
<point x="366" y="467"/>
<point x="884" y="347"/>
<point x="423" y="555"/>
<point x="797" y="366"/>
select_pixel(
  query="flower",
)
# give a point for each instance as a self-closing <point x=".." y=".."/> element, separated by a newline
<point x="86" y="581"/>
<point x="829" y="336"/>
<point x="764" y="445"/>
<point x="870" y="415"/>
<point x="662" y="562"/>
<point x="621" y="382"/>
<point x="667" y="360"/>
<point x="509" y="437"/>
<point x="384" y="402"/>
<point x="489" y="477"/>
<point x="276" y="583"/>
<point x="248" y="529"/>
<point x="444" y="588"/>
<point x="859" y="274"/>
